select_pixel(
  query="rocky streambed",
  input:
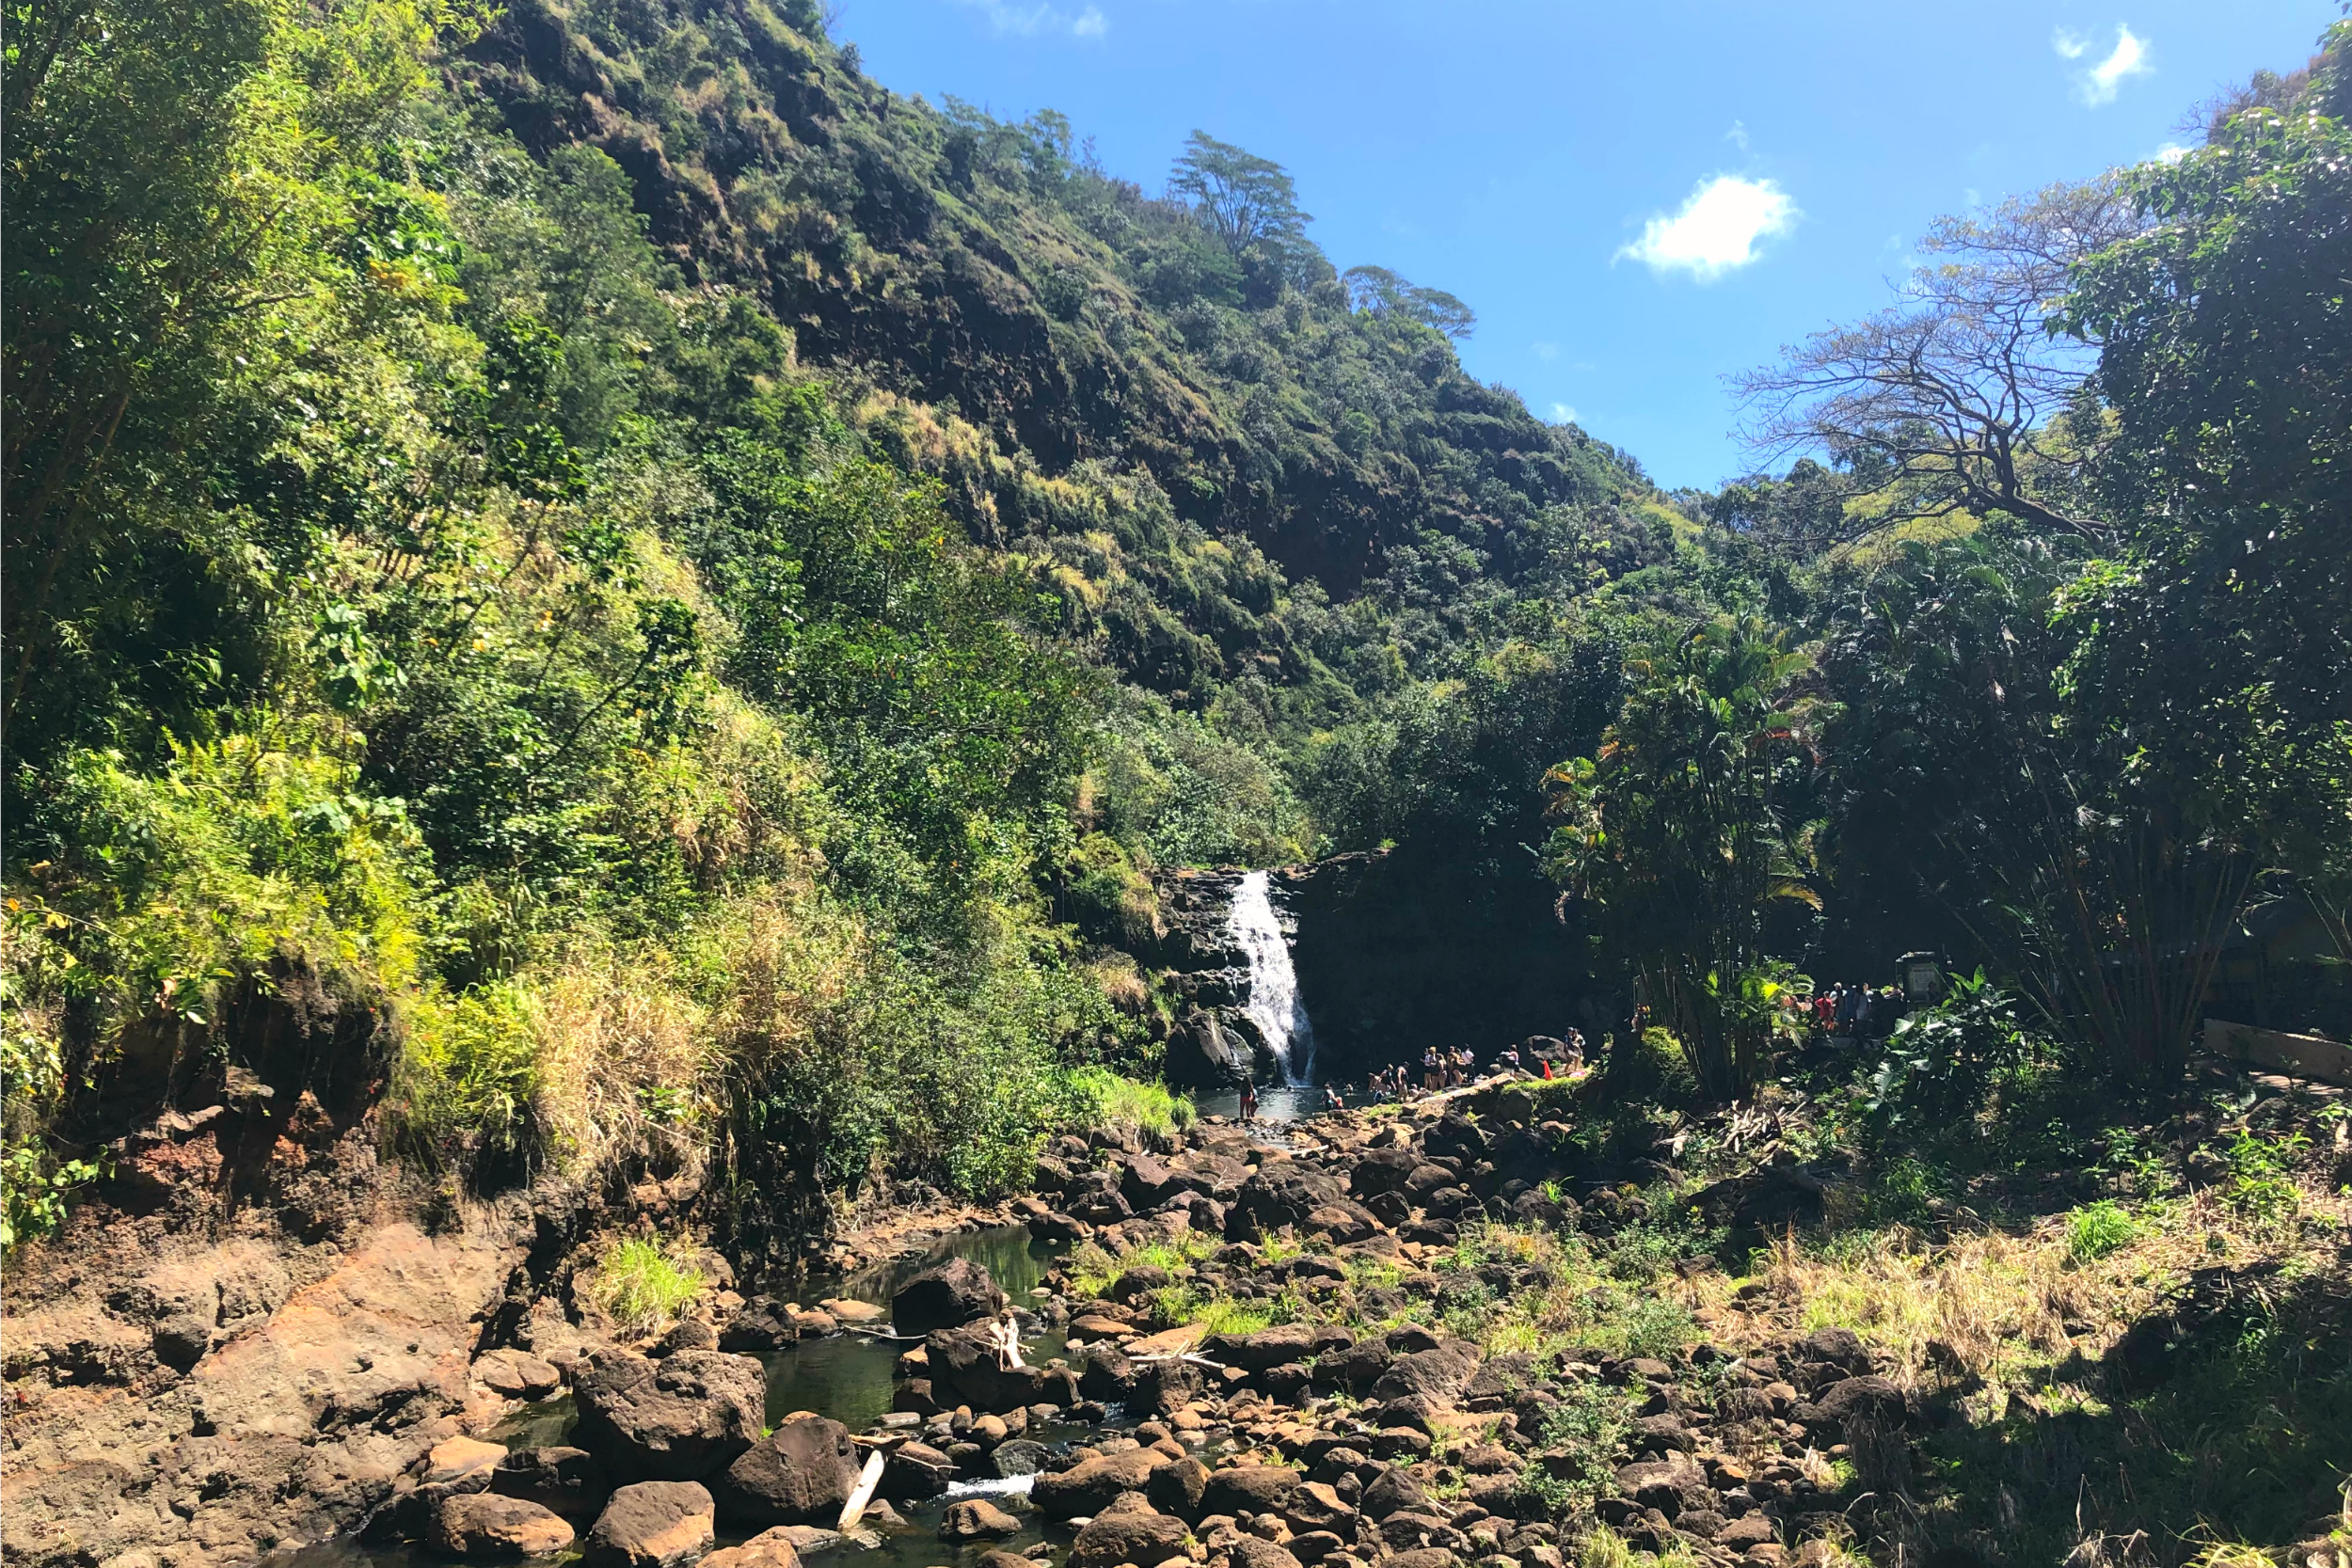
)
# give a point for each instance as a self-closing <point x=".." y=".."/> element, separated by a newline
<point x="1364" y="1430"/>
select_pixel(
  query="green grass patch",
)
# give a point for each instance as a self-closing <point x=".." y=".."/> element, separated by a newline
<point x="1092" y="1270"/>
<point x="471" y="1068"/>
<point x="1101" y="1098"/>
<point x="1176" y="1306"/>
<point x="2094" y="1231"/>
<point x="644" y="1282"/>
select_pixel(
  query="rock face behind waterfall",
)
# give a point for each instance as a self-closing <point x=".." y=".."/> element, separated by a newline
<point x="1228" y="1032"/>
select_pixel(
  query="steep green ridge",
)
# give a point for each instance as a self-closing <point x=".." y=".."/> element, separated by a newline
<point x="590" y="582"/>
<point x="688" y="590"/>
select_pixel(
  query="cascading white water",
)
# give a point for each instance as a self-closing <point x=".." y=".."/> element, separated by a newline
<point x="1274" y="1003"/>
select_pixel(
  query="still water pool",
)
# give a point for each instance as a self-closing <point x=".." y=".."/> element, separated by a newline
<point x="847" y="1377"/>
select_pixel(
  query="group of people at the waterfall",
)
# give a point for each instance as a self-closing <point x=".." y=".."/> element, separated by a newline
<point x="1441" y="1069"/>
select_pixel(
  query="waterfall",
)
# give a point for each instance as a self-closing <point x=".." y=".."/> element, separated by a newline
<point x="1274" y="1004"/>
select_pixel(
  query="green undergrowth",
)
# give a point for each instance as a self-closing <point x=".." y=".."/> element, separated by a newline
<point x="1092" y="1270"/>
<point x="1101" y="1098"/>
<point x="643" y="1282"/>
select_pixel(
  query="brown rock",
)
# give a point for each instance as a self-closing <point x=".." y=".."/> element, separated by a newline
<point x="801" y="1473"/>
<point x="1250" y="1489"/>
<point x="976" y="1519"/>
<point x="958" y="1291"/>
<point x="917" y="1470"/>
<point x="771" y="1549"/>
<point x="517" y="1374"/>
<point x="1177" y="1488"/>
<point x="1248" y="1553"/>
<point x="679" y="1418"/>
<point x="1439" y="1375"/>
<point x="1314" y="1506"/>
<point x="486" y="1525"/>
<point x="654" y="1524"/>
<point x="463" y="1464"/>
<point x="1088" y="1486"/>
<point x="1133" y="1536"/>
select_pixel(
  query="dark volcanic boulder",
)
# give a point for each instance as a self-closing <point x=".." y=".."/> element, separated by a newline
<point x="762" y="1324"/>
<point x="801" y="1473"/>
<point x="1202" y="1056"/>
<point x="1146" y="1182"/>
<point x="1359" y="1367"/>
<point x="958" y="1291"/>
<point x="1177" y="1488"/>
<point x="1382" y="1170"/>
<point x="1437" y="1376"/>
<point x="917" y="1470"/>
<point x="654" y="1524"/>
<point x="569" y="1481"/>
<point x="1091" y="1484"/>
<point x="1863" y="1399"/>
<point x="965" y="1370"/>
<point x="679" y="1418"/>
<point x="1840" y="1347"/>
<point x="1250" y="1552"/>
<point x="1128" y="1534"/>
<point x="1268" y="1347"/>
<point x="1279" y="1195"/>
<point x="976" y="1519"/>
<point x="1457" y="1137"/>
<point x="1249" y="1489"/>
<point x="1395" y="1492"/>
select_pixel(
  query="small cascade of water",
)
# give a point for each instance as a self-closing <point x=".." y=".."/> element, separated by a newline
<point x="1274" y="1004"/>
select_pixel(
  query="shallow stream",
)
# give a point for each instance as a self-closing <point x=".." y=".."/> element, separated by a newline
<point x="846" y="1376"/>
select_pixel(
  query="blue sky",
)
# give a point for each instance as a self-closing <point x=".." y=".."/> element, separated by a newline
<point x="1636" y="196"/>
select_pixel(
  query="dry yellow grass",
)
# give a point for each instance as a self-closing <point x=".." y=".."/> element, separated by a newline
<point x="625" y="1062"/>
<point x="1986" y="1302"/>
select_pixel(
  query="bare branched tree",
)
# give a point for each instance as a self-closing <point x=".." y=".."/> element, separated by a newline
<point x="1954" y="389"/>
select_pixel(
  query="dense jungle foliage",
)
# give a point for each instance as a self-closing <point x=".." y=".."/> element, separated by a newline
<point x="692" y="590"/>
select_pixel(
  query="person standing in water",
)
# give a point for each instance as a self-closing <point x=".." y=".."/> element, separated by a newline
<point x="1249" y="1100"/>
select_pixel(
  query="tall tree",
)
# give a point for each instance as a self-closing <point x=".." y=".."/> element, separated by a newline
<point x="1956" y="390"/>
<point x="1676" y="830"/>
<point x="190" y="223"/>
<point x="1247" y="201"/>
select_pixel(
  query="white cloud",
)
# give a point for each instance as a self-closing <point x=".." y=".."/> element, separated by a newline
<point x="2096" y="86"/>
<point x="1008" y="18"/>
<point x="2170" y="153"/>
<point x="1738" y="134"/>
<point x="1546" y="351"/>
<point x="1562" y="413"/>
<point x="1717" y="229"/>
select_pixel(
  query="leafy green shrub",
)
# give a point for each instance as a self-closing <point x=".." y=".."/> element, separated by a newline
<point x="2262" y="1175"/>
<point x="1105" y="894"/>
<point x="2101" y="1227"/>
<point x="34" y="1188"/>
<point x="471" y="1068"/>
<point x="240" y="851"/>
<point x="1941" y="1061"/>
<point x="1587" y="1424"/>
<point x="643" y="1282"/>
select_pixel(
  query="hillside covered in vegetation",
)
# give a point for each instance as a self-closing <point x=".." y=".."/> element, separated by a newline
<point x="598" y="601"/>
<point x="695" y="590"/>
